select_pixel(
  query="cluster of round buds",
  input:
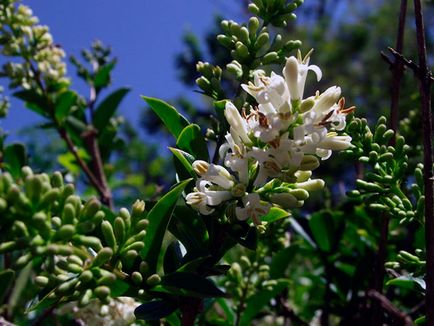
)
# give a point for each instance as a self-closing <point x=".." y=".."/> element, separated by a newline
<point x="271" y="150"/>
<point x="23" y="37"/>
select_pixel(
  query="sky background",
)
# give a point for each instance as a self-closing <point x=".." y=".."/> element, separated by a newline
<point x="145" y="36"/>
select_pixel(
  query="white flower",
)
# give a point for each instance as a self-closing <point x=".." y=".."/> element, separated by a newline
<point x="237" y="123"/>
<point x="295" y="73"/>
<point x="335" y="142"/>
<point x="253" y="208"/>
<point x="235" y="158"/>
<point x="198" y="200"/>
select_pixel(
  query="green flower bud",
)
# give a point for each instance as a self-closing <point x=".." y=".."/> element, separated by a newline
<point x="103" y="256"/>
<point x="20" y="229"/>
<point x="128" y="258"/>
<point x="75" y="260"/>
<point x="93" y="242"/>
<point x="153" y="280"/>
<point x="86" y="276"/>
<point x="65" y="233"/>
<point x="62" y="250"/>
<point x="107" y="279"/>
<point x="119" y="230"/>
<point x="3" y="205"/>
<point x="85" y="299"/>
<point x="90" y="209"/>
<point x="262" y="40"/>
<point x="66" y="287"/>
<point x="235" y="68"/>
<point x="138" y="246"/>
<point x="41" y="281"/>
<point x="253" y="26"/>
<point x="57" y="180"/>
<point x="49" y="198"/>
<point x="204" y="84"/>
<point x="109" y="236"/>
<point x="245" y="261"/>
<point x="138" y="208"/>
<point x="7" y="246"/>
<point x="102" y="292"/>
<point x="137" y="278"/>
<point x="226" y="41"/>
<point x="85" y="227"/>
<point x="98" y="217"/>
<point x="253" y="9"/>
<point x="244" y="35"/>
<point x="241" y="50"/>
<point x="74" y="268"/>
<point x="68" y="214"/>
<point x="270" y="57"/>
<point x="144" y="268"/>
<point x="26" y="171"/>
<point x="68" y="191"/>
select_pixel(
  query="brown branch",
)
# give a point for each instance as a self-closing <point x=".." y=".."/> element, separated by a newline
<point x="397" y="68"/>
<point x="425" y="79"/>
<point x="91" y="141"/>
<point x="401" y="317"/>
<point x="71" y="147"/>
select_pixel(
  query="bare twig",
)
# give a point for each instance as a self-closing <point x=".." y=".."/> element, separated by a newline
<point x="91" y="141"/>
<point x="425" y="78"/>
<point x="397" y="68"/>
<point x="394" y="312"/>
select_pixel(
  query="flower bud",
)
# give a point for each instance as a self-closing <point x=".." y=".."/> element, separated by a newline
<point x="41" y="281"/>
<point x="311" y="185"/>
<point x="138" y="208"/>
<point x="153" y="280"/>
<point x="309" y="163"/>
<point x="200" y="167"/>
<point x="137" y="278"/>
<point x="103" y="256"/>
<point x="109" y="236"/>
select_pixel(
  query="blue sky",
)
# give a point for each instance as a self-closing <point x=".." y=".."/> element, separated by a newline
<point x="145" y="36"/>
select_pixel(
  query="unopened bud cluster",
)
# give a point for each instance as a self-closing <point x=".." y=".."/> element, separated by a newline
<point x="43" y="220"/>
<point x="382" y="185"/>
<point x="271" y="150"/>
<point x="22" y="36"/>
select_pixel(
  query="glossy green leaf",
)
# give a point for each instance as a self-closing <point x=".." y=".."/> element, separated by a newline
<point x="47" y="301"/>
<point x="154" y="310"/>
<point x="192" y="141"/>
<point x="275" y="214"/>
<point x="15" y="158"/>
<point x="118" y="288"/>
<point x="299" y="229"/>
<point x="19" y="288"/>
<point x="408" y="282"/>
<point x="102" y="77"/>
<point x="189" y="228"/>
<point x="256" y="303"/>
<point x="34" y="101"/>
<point x="323" y="231"/>
<point x="64" y="105"/>
<point x="193" y="284"/>
<point x="172" y="119"/>
<point x="172" y="257"/>
<point x="159" y="218"/>
<point x="183" y="163"/>
<point x="281" y="261"/>
<point x="7" y="278"/>
<point x="107" y="108"/>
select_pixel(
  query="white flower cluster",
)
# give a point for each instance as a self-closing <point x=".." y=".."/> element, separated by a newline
<point x="23" y="37"/>
<point x="272" y="151"/>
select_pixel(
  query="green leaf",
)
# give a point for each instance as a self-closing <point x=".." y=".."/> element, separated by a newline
<point x="172" y="257"/>
<point x="7" y="278"/>
<point x="64" y="104"/>
<point x="256" y="302"/>
<point x="275" y="214"/>
<point x="118" y="288"/>
<point x="47" y="301"/>
<point x="409" y="282"/>
<point x="192" y="284"/>
<point x="281" y="261"/>
<point x="299" y="229"/>
<point x="230" y="315"/>
<point x="192" y="141"/>
<point x="183" y="163"/>
<point x="19" y="288"/>
<point x="107" y="108"/>
<point x="154" y="310"/>
<point x="159" y="219"/>
<point x="15" y="158"/>
<point x="102" y="77"/>
<point x="172" y="119"/>
<point x="188" y="227"/>
<point x="34" y="101"/>
<point x="250" y="241"/>
<point x="323" y="230"/>
<point x="68" y="160"/>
